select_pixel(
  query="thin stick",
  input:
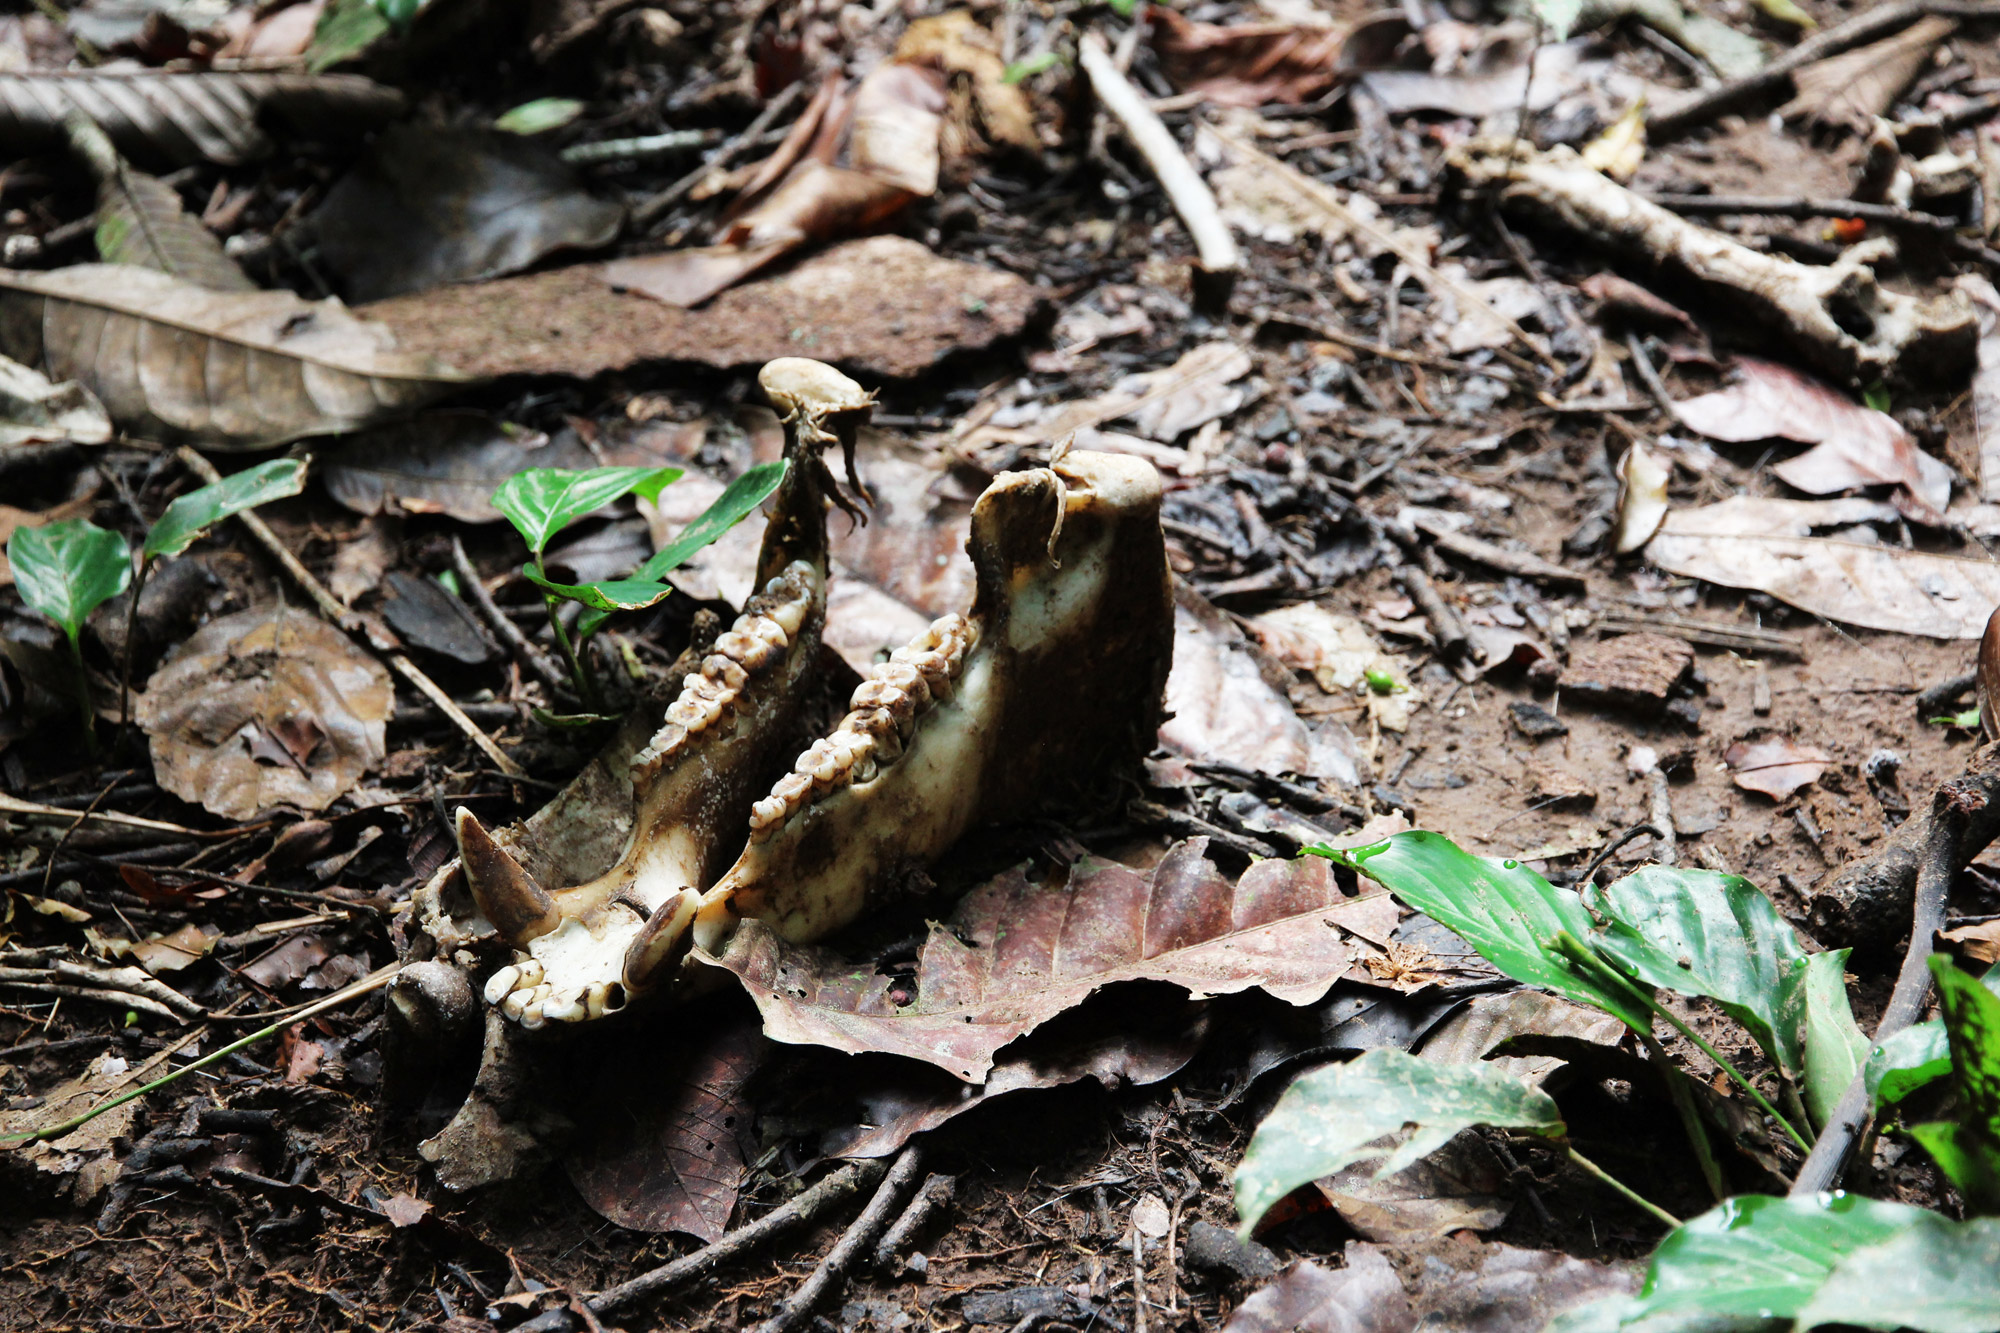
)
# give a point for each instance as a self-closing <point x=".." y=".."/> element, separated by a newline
<point x="36" y="812"/>
<point x="525" y="653"/>
<point x="638" y="148"/>
<point x="858" y="1238"/>
<point x="1944" y="854"/>
<point x="373" y="981"/>
<point x="936" y="1191"/>
<point x="1184" y="187"/>
<point x="1887" y="215"/>
<point x="1631" y="1195"/>
<point x="330" y="607"/>
<point x="1863" y="27"/>
<point x="648" y="211"/>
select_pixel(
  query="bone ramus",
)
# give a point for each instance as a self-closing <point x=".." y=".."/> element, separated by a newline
<point x="1052" y="681"/>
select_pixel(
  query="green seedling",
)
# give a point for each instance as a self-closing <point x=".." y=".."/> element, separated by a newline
<point x="541" y="502"/>
<point x="1966" y="721"/>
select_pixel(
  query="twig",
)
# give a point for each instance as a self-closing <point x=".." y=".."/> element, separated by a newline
<point x="127" y="980"/>
<point x="1320" y="329"/>
<point x="35" y="812"/>
<point x="1946" y="852"/>
<point x="1945" y="695"/>
<point x="1631" y="1195"/>
<point x="330" y="607"/>
<point x="636" y="149"/>
<point x="1522" y="563"/>
<point x="497" y="620"/>
<point x="936" y="1191"/>
<point x="859" y="1237"/>
<point x="648" y="211"/>
<point x="1453" y="639"/>
<point x="373" y="981"/>
<point x="1649" y="374"/>
<point x="810" y="1206"/>
<point x="122" y="999"/>
<point x="1887" y="215"/>
<point x="1742" y="638"/>
<point x="1660" y="811"/>
<point x="1864" y="27"/>
<point x="1183" y="185"/>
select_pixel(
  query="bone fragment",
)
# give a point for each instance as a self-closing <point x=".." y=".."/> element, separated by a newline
<point x="1837" y="317"/>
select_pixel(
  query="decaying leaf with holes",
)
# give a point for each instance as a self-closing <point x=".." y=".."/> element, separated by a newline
<point x="263" y="710"/>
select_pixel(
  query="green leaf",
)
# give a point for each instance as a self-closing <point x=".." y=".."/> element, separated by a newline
<point x="346" y="29"/>
<point x="1966" y="721"/>
<point x="1935" y="1276"/>
<point x="1762" y="1257"/>
<point x="608" y="595"/>
<point x="1698" y="932"/>
<point x="1504" y="910"/>
<point x="542" y="501"/>
<point x="737" y="501"/>
<point x="1876" y="396"/>
<point x="1029" y="68"/>
<point x="198" y="511"/>
<point x="1834" y="1043"/>
<point x="539" y="116"/>
<point x="1914" y="1058"/>
<point x="1330" y="1118"/>
<point x="1558" y="16"/>
<point x="67" y="570"/>
<point x="1967" y="1149"/>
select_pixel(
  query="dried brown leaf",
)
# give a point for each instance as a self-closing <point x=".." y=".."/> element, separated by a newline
<point x="1849" y="90"/>
<point x="956" y="45"/>
<point x="140" y="219"/>
<point x="235" y="370"/>
<point x="254" y="684"/>
<point x="1749" y="543"/>
<point x="186" y="117"/>
<point x="440" y="463"/>
<point x="1014" y="954"/>
<point x="1775" y="766"/>
<point x="288" y="962"/>
<point x="1642" y="498"/>
<point x="429" y="206"/>
<point x="1858" y="446"/>
<point x="1488" y="1021"/>
<point x="404" y="1210"/>
<point x="1365" y="1296"/>
<point x="34" y="411"/>
<point x="898" y="111"/>
<point x="1248" y="64"/>
<point x="171" y="953"/>
<point x="1462" y="1186"/>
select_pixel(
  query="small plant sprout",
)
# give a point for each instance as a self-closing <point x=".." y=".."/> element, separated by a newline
<point x="541" y="502"/>
<point x="68" y="570"/>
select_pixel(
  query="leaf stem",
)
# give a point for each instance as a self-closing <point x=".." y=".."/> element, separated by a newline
<point x="131" y="641"/>
<point x="1632" y="1196"/>
<point x="1736" y="1075"/>
<point x="1691" y="1123"/>
<point x="578" y="680"/>
<point x="373" y="982"/>
<point x="86" y="713"/>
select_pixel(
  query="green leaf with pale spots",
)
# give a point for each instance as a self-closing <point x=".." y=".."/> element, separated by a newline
<point x="1967" y="1148"/>
<point x="1334" y="1117"/>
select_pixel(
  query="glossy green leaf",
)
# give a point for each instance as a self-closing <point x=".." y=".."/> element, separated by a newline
<point x="1762" y="1257"/>
<point x="1835" y="1046"/>
<point x="1967" y="1148"/>
<point x="67" y="570"/>
<point x="1697" y="932"/>
<point x="539" y="116"/>
<point x="1935" y="1276"/>
<point x="542" y="501"/>
<point x="737" y="501"/>
<point x="346" y="30"/>
<point x="1914" y="1058"/>
<point x="1504" y="910"/>
<point x="608" y="595"/>
<point x="1331" y="1118"/>
<point x="198" y="511"/>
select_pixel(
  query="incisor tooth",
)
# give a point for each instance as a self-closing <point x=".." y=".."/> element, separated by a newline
<point x="565" y="1009"/>
<point x="515" y="1002"/>
<point x="501" y="983"/>
<point x="533" y="1015"/>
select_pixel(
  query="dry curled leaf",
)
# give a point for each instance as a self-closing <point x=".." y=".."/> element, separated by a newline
<point x="1857" y="446"/>
<point x="440" y="463"/>
<point x="1775" y="766"/>
<point x="185" y="117"/>
<point x="33" y="411"/>
<point x="956" y="46"/>
<point x="1849" y="90"/>
<point x="1642" y="498"/>
<point x="232" y="370"/>
<point x="1250" y="64"/>
<point x="1748" y="542"/>
<point x="1014" y="954"/>
<point x="266" y="709"/>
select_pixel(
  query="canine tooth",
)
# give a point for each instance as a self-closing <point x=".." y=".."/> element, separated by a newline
<point x="662" y="942"/>
<point x="508" y="896"/>
<point x="500" y="983"/>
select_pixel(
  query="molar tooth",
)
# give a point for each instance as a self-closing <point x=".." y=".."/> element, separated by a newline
<point x="688" y="714"/>
<point x="737" y="645"/>
<point x="789" y="614"/>
<point x="565" y="1009"/>
<point x="792" y="788"/>
<point x="822" y="762"/>
<point x="722" y="669"/>
<point x="502" y="983"/>
<point x="878" y="694"/>
<point x="770" y="810"/>
<point x="768" y="630"/>
<point x="864" y="769"/>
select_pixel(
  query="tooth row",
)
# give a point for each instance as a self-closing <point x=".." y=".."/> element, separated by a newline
<point x="885" y="711"/>
<point x="752" y="646"/>
<point x="534" y="1003"/>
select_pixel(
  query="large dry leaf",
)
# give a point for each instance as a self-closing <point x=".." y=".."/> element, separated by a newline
<point x="1749" y="543"/>
<point x="1857" y="446"/>
<point x="1199" y="387"/>
<point x="882" y="306"/>
<point x="1460" y="1187"/>
<point x="1014" y="954"/>
<point x="266" y="709"/>
<point x="658" y="1147"/>
<point x="181" y="118"/>
<point x="34" y="411"/>
<point x="1849" y="90"/>
<point x="1365" y="1296"/>
<point x="956" y="46"/>
<point x="1775" y="766"/>
<point x="140" y="219"/>
<point x="440" y="463"/>
<point x="1500" y="83"/>
<point x="232" y="370"/>
<point x="1489" y="1021"/>
<point x="1249" y="64"/>
<point x="428" y="206"/>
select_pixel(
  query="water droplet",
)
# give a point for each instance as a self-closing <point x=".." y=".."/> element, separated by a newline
<point x="1510" y="865"/>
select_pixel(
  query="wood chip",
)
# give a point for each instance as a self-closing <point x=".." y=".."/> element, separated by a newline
<point x="1631" y="671"/>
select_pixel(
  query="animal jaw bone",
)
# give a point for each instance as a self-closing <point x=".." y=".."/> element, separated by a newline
<point x="1836" y="316"/>
<point x="694" y="783"/>
<point x="1055" y="677"/>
